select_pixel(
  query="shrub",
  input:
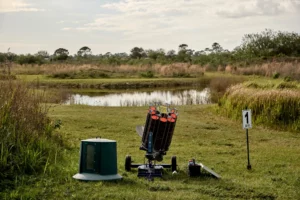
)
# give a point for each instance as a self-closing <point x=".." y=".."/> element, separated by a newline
<point x="148" y="74"/>
<point x="182" y="75"/>
<point x="276" y="75"/>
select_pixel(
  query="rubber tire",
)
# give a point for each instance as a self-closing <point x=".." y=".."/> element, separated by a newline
<point x="128" y="163"/>
<point x="173" y="164"/>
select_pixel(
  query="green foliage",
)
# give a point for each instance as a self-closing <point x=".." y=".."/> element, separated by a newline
<point x="82" y="74"/>
<point x="30" y="59"/>
<point x="43" y="54"/>
<point x="288" y="85"/>
<point x="137" y="53"/>
<point x="287" y="79"/>
<point x="28" y="142"/>
<point x="275" y="108"/>
<point x="84" y="51"/>
<point x="148" y="74"/>
<point x="60" y="54"/>
<point x="268" y="44"/>
<point x="8" y="57"/>
<point x="181" y="74"/>
<point x="276" y="75"/>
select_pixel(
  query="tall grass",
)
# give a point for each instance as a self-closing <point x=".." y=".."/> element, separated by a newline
<point x="270" y="69"/>
<point x="277" y="108"/>
<point x="219" y="85"/>
<point x="28" y="142"/>
<point x="105" y="71"/>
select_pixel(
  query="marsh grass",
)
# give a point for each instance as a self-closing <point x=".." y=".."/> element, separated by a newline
<point x="106" y="71"/>
<point x="218" y="85"/>
<point x="27" y="139"/>
<point x="273" y="69"/>
<point x="277" y="108"/>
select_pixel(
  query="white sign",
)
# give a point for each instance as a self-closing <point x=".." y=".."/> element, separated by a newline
<point x="247" y="119"/>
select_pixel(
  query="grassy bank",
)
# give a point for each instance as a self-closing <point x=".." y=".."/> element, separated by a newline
<point x="28" y="143"/>
<point x="275" y="107"/>
<point x="220" y="81"/>
<point x="108" y="83"/>
<point x="200" y="133"/>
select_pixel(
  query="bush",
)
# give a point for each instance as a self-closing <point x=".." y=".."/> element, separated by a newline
<point x="82" y="74"/>
<point x="276" y="75"/>
<point x="148" y="74"/>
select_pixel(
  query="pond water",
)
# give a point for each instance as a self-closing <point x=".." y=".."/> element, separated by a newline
<point x="139" y="98"/>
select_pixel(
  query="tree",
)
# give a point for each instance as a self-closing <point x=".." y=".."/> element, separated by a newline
<point x="155" y="54"/>
<point x="121" y="55"/>
<point x="61" y="54"/>
<point x="42" y="54"/>
<point x="84" y="51"/>
<point x="184" y="54"/>
<point x="216" y="48"/>
<point x="171" y="53"/>
<point x="61" y="51"/>
<point x="182" y="47"/>
<point x="137" y="53"/>
<point x="6" y="60"/>
<point x="108" y="54"/>
<point x="198" y="53"/>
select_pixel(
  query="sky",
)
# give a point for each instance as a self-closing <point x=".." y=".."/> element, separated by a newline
<point x="28" y="26"/>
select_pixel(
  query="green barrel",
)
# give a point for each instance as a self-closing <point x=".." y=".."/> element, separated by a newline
<point x="98" y="160"/>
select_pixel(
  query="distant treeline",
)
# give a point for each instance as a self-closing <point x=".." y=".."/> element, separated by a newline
<point x="255" y="48"/>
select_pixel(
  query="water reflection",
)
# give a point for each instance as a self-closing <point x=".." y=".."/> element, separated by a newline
<point x="185" y="97"/>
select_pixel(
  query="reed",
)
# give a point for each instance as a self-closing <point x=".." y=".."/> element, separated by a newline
<point x="27" y="134"/>
<point x="276" y="108"/>
<point x="271" y="69"/>
<point x="105" y="71"/>
<point x="218" y="85"/>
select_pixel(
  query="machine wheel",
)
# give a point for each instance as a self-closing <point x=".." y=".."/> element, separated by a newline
<point x="128" y="163"/>
<point x="173" y="163"/>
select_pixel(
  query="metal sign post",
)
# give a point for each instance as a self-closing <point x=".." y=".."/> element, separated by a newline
<point x="247" y="123"/>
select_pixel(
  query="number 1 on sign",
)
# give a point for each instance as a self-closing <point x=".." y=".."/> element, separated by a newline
<point x="247" y="119"/>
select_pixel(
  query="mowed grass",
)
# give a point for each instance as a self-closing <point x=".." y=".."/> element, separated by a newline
<point x="200" y="133"/>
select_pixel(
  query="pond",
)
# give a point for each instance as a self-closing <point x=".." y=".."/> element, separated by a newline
<point x="142" y="98"/>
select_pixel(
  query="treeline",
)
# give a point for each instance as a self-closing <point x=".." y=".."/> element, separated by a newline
<point x="255" y="48"/>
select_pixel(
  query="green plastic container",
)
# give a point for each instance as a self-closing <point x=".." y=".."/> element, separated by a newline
<point x="98" y="160"/>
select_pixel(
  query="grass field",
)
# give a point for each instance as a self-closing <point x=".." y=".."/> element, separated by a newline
<point x="200" y="133"/>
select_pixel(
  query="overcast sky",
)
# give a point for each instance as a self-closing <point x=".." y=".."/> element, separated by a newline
<point x="27" y="26"/>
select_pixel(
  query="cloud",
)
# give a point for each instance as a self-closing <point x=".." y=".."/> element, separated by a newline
<point x="61" y="22"/>
<point x="148" y="17"/>
<point x="155" y="17"/>
<point x="17" y="6"/>
<point x="153" y="23"/>
<point x="66" y="29"/>
<point x="240" y="9"/>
